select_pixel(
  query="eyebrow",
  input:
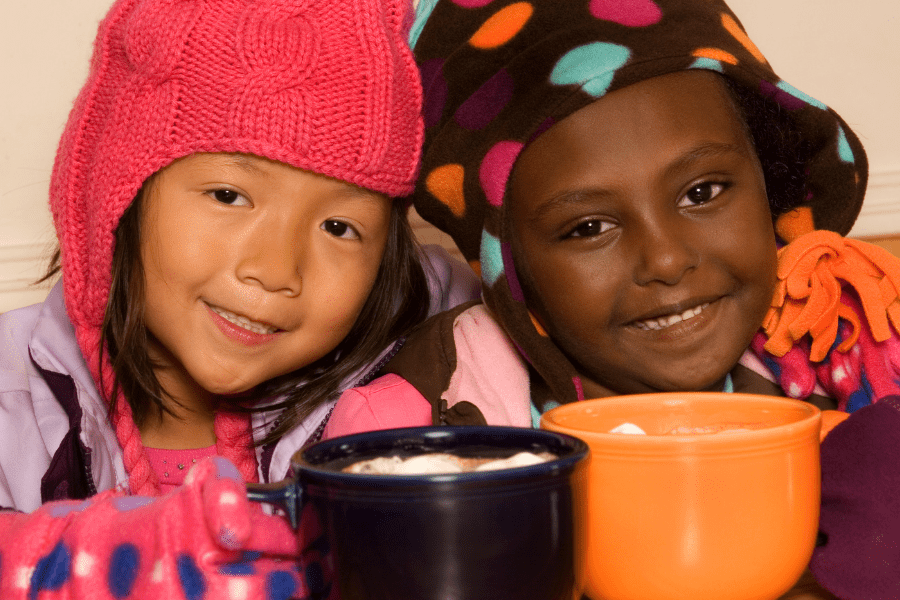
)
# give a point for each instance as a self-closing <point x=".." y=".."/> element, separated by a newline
<point x="567" y="198"/>
<point x="248" y="164"/>
<point x="244" y="163"/>
<point x="700" y="152"/>
<point x="680" y="164"/>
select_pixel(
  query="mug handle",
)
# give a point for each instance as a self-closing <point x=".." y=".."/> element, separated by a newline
<point x="285" y="494"/>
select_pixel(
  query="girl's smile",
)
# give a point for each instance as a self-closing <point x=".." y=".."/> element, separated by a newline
<point x="682" y="329"/>
<point x="668" y="319"/>
<point x="242" y="329"/>
<point x="643" y="237"/>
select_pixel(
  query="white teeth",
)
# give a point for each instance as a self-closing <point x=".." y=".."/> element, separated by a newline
<point x="661" y="322"/>
<point x="244" y="322"/>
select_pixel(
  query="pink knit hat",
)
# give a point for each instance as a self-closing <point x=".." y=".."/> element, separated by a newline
<point x="323" y="85"/>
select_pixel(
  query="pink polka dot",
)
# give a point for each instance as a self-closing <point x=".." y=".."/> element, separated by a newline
<point x="495" y="170"/>
<point x="631" y="13"/>
<point x="486" y="103"/>
<point x="472" y="3"/>
<point x="435" y="87"/>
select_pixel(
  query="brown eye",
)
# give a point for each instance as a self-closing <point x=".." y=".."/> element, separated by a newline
<point x="340" y="229"/>
<point x="704" y="192"/>
<point x="589" y="229"/>
<point x="229" y="197"/>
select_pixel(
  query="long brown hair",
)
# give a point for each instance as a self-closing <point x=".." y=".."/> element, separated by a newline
<point x="400" y="291"/>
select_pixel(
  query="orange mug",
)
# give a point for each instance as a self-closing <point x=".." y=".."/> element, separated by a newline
<point x="718" y="501"/>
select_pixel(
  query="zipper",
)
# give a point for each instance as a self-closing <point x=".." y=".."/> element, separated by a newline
<point x="89" y="477"/>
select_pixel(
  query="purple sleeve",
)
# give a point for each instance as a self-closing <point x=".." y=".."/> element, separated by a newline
<point x="860" y="519"/>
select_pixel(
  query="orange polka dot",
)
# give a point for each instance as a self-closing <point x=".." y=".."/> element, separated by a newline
<point x="476" y="266"/>
<point x="537" y="324"/>
<point x="502" y="26"/>
<point x="446" y="184"/>
<point x="735" y="30"/>
<point x="716" y="54"/>
<point x="794" y="223"/>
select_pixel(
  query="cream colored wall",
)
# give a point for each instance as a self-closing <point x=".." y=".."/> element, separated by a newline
<point x="45" y="47"/>
<point x="845" y="54"/>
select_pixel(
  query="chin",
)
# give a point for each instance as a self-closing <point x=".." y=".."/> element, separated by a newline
<point x="712" y="383"/>
<point x="228" y="388"/>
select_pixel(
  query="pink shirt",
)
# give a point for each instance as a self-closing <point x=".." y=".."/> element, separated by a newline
<point x="171" y="466"/>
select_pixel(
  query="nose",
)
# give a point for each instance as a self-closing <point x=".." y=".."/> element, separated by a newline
<point x="271" y="257"/>
<point x="666" y="252"/>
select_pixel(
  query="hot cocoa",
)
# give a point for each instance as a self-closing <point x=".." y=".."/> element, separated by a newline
<point x="435" y="462"/>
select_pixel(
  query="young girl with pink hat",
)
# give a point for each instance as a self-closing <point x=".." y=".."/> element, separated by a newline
<point x="232" y="257"/>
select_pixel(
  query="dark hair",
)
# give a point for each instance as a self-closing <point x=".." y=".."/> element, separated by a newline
<point x="123" y="334"/>
<point x="783" y="150"/>
<point x="400" y="290"/>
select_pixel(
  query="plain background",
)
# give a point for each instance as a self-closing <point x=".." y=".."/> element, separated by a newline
<point x="846" y="54"/>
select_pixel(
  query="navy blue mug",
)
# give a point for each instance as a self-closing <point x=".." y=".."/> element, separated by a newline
<point x="482" y="535"/>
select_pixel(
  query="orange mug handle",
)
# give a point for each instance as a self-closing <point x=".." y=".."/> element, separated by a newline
<point x="831" y="419"/>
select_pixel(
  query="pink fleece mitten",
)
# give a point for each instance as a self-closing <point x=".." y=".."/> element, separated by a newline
<point x="204" y="540"/>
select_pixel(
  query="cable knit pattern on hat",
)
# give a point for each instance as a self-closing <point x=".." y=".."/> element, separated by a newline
<point x="325" y="86"/>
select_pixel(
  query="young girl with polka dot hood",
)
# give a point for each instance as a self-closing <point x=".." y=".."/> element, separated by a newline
<point x="651" y="208"/>
<point x="233" y="255"/>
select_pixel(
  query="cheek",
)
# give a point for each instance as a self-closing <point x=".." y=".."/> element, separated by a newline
<point x="570" y="294"/>
<point x="179" y="247"/>
<point x="754" y="263"/>
<point x="348" y="288"/>
<point x="758" y="254"/>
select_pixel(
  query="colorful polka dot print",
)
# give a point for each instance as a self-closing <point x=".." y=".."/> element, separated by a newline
<point x="498" y="73"/>
<point x="188" y="544"/>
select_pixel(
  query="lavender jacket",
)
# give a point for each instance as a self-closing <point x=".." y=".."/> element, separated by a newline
<point x="55" y="437"/>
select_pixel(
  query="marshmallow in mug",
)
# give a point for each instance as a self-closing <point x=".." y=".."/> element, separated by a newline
<point x="424" y="464"/>
<point x="632" y="429"/>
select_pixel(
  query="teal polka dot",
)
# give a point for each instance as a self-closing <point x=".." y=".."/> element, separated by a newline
<point x="786" y="87"/>
<point x="536" y="414"/>
<point x="709" y="64"/>
<point x="591" y="66"/>
<point x="423" y="11"/>
<point x="550" y="405"/>
<point x="844" y="149"/>
<point x="491" y="258"/>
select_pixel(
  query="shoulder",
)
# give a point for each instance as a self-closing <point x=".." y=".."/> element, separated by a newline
<point x="49" y="405"/>
<point x="490" y="373"/>
<point x="16" y="327"/>
<point x="388" y="402"/>
<point x="464" y="364"/>
<point x="428" y="357"/>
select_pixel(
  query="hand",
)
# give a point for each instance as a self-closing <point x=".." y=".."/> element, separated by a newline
<point x="203" y="540"/>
